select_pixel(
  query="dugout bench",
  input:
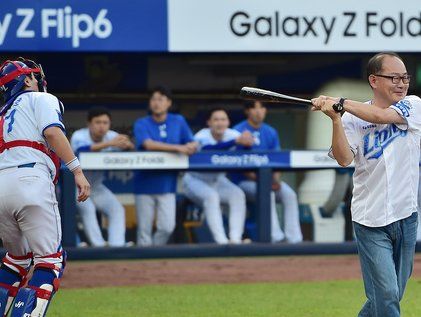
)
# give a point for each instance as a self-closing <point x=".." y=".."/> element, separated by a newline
<point x="264" y="163"/>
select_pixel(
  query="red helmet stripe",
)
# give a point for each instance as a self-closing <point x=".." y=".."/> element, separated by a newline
<point x="17" y="72"/>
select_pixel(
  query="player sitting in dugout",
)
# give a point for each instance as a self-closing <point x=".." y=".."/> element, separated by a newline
<point x="266" y="138"/>
<point x="97" y="137"/>
<point x="210" y="189"/>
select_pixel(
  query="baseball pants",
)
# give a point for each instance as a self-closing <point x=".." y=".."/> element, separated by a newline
<point x="210" y="196"/>
<point x="29" y="215"/>
<point x="104" y="200"/>
<point x="287" y="196"/>
<point x="164" y="204"/>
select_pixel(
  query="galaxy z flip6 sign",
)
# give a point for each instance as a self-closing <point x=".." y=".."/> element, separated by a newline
<point x="106" y="25"/>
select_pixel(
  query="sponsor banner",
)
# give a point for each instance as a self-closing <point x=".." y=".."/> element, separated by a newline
<point x="206" y="160"/>
<point x="239" y="160"/>
<point x="313" y="160"/>
<point x="132" y="160"/>
<point x="106" y="25"/>
<point x="298" y="26"/>
<point x="119" y="182"/>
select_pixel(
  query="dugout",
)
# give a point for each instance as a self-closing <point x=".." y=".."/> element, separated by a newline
<point x="111" y="55"/>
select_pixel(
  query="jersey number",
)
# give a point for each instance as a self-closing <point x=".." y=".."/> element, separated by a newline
<point x="11" y="116"/>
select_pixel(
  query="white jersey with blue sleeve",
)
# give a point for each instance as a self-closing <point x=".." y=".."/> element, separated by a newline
<point x="386" y="159"/>
<point x="29" y="115"/>
<point x="207" y="142"/>
<point x="81" y="141"/>
<point x="204" y="137"/>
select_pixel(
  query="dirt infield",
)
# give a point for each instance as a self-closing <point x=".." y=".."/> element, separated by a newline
<point x="226" y="270"/>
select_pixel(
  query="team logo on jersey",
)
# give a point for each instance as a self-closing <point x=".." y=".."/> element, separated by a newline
<point x="256" y="137"/>
<point x="163" y="131"/>
<point x="376" y="141"/>
<point x="404" y="106"/>
<point x="19" y="304"/>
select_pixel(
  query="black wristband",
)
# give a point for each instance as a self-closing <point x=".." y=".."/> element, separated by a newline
<point x="339" y="106"/>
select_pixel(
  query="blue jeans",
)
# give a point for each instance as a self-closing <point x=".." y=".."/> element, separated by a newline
<point x="386" y="257"/>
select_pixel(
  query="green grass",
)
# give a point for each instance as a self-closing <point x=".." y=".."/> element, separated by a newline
<point x="313" y="299"/>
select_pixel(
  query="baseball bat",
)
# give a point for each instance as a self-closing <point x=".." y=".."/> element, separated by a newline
<point x="250" y="93"/>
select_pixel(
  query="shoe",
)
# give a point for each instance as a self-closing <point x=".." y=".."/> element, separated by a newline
<point x="82" y="244"/>
<point x="294" y="242"/>
<point x="244" y="241"/>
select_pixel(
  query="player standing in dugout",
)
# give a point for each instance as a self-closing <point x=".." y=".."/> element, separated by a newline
<point x="154" y="189"/>
<point x="382" y="137"/>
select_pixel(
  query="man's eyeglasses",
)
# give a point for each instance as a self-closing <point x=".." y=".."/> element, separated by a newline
<point x="396" y="79"/>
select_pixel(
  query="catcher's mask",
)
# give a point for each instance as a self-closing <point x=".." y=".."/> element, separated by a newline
<point x="13" y="74"/>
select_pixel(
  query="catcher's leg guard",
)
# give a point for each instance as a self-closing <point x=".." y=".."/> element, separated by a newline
<point x="34" y="299"/>
<point x="13" y="273"/>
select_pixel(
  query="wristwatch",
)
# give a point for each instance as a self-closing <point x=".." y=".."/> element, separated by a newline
<point x="339" y="106"/>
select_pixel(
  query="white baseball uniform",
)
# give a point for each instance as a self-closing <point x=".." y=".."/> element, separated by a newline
<point x="384" y="203"/>
<point x="212" y="188"/>
<point x="29" y="215"/>
<point x="389" y="149"/>
<point x="101" y="198"/>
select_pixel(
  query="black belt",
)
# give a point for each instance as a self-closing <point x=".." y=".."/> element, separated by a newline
<point x="30" y="165"/>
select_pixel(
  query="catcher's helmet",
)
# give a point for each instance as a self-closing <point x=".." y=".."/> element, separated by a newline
<point x="13" y="73"/>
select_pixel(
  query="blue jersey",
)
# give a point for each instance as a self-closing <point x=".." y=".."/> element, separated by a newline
<point x="174" y="130"/>
<point x="265" y="139"/>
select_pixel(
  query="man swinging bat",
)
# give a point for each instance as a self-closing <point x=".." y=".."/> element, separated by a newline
<point x="382" y="137"/>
